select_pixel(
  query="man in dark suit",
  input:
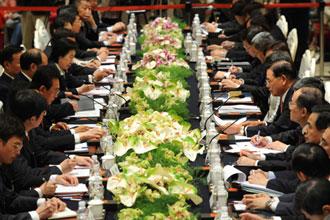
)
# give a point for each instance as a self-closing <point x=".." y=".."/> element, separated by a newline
<point x="30" y="61"/>
<point x="14" y="206"/>
<point x="10" y="60"/>
<point x="301" y="104"/>
<point x="46" y="81"/>
<point x="308" y="161"/>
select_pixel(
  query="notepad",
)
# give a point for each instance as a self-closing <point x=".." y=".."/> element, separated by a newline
<point x="66" y="213"/>
<point x="80" y="188"/>
<point x="235" y="100"/>
<point x="86" y="114"/>
<point x="110" y="79"/>
<point x="239" y="109"/>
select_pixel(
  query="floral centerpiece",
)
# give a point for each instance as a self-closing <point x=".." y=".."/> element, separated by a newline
<point x="145" y="131"/>
<point x="159" y="57"/>
<point x="158" y="91"/>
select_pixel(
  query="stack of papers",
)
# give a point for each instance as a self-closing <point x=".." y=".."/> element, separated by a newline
<point x="66" y="213"/>
<point x="79" y="148"/>
<point x="239" y="109"/>
<point x="80" y="188"/>
<point x="236" y="148"/>
<point x="110" y="79"/>
<point x="86" y="114"/>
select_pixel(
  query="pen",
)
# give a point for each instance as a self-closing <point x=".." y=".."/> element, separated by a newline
<point x="258" y="138"/>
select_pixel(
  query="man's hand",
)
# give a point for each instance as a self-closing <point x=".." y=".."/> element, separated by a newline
<point x="214" y="47"/>
<point x="259" y="141"/>
<point x="48" y="188"/>
<point x="58" y="204"/>
<point x="119" y="27"/>
<point x="258" y="178"/>
<point x="231" y="83"/>
<point x="277" y="145"/>
<point x="66" y="180"/>
<point x="220" y="53"/>
<point x="74" y="105"/>
<point x="231" y="128"/>
<point x="228" y="44"/>
<point x="250" y="155"/>
<point x="81" y="128"/>
<point x="85" y="88"/>
<point x="100" y="74"/>
<point x="219" y="75"/>
<point x="68" y="165"/>
<point x="60" y="126"/>
<point x="210" y="27"/>
<point x="245" y="161"/>
<point x="92" y="134"/>
<point x="84" y="161"/>
<point x="256" y="201"/>
<point x="234" y="69"/>
<point x="46" y="210"/>
<point x="253" y="123"/>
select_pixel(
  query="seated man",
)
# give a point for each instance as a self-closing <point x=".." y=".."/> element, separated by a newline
<point x="14" y="206"/>
<point x="47" y="82"/>
<point x="308" y="161"/>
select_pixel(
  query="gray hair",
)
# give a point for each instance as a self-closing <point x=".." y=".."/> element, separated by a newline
<point x="263" y="41"/>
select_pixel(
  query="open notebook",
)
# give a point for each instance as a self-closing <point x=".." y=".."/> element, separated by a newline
<point x="80" y="188"/>
<point x="231" y="174"/>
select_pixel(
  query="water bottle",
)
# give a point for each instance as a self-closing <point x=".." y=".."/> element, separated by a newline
<point x="82" y="211"/>
<point x="96" y="166"/>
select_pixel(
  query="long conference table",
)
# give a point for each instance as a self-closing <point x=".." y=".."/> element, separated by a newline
<point x="111" y="207"/>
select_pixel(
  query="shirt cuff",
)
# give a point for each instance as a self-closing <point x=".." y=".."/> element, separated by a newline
<point x="110" y="28"/>
<point x="72" y="131"/>
<point x="226" y="75"/>
<point x="34" y="215"/>
<point x="52" y="178"/>
<point x="271" y="175"/>
<point x="41" y="201"/>
<point x="72" y="156"/>
<point x="276" y="218"/>
<point x="90" y="78"/>
<point x="38" y="190"/>
<point x="262" y="156"/>
<point x="106" y="43"/>
<point x="218" y="30"/>
<point x="286" y="147"/>
<point x="274" y="204"/>
<point x="269" y="139"/>
<point x="77" y="138"/>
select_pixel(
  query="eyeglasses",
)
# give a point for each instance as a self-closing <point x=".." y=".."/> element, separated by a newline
<point x="17" y="146"/>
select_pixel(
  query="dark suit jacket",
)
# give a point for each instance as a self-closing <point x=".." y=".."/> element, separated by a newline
<point x="21" y="77"/>
<point x="291" y="137"/>
<point x="286" y="206"/>
<point x="286" y="183"/>
<point x="12" y="203"/>
<point x="5" y="83"/>
<point x="37" y="156"/>
<point x="56" y="112"/>
<point x="57" y="141"/>
<point x="281" y="123"/>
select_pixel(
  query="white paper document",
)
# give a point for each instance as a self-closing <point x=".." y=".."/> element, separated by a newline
<point x="87" y="114"/>
<point x="236" y="148"/>
<point x="239" y="109"/>
<point x="79" y="148"/>
<point x="222" y="122"/>
<point x="80" y="188"/>
<point x="110" y="66"/>
<point x="98" y="91"/>
<point x="235" y="100"/>
<point x="110" y="79"/>
<point x="110" y="59"/>
<point x="88" y="125"/>
<point x="80" y="173"/>
<point x="66" y="213"/>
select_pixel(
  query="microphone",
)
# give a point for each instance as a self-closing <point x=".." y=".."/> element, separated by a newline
<point x="104" y="106"/>
<point x="220" y="106"/>
<point x="113" y="93"/>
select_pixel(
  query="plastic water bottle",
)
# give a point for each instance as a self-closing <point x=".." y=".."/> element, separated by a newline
<point x="95" y="167"/>
<point x="82" y="211"/>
